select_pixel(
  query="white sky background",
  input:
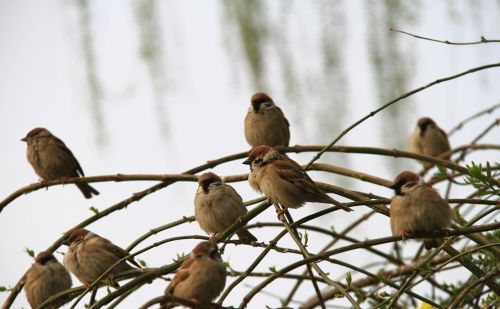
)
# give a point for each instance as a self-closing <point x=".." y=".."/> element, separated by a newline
<point x="43" y="84"/>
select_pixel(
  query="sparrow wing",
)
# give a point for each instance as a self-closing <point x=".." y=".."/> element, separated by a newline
<point x="118" y="252"/>
<point x="181" y="275"/>
<point x="292" y="172"/>
<point x="61" y="146"/>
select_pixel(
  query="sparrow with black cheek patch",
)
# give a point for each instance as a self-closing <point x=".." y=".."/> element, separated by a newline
<point x="265" y="123"/>
<point x="201" y="277"/>
<point x="417" y="207"/>
<point x="90" y="255"/>
<point x="51" y="159"/>
<point x="218" y="206"/>
<point x="283" y="180"/>
<point x="429" y="139"/>
<point x="45" y="278"/>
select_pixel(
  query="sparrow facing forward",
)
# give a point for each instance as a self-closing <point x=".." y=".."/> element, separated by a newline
<point x="45" y="278"/>
<point x="90" y="255"/>
<point x="429" y="139"/>
<point x="265" y="123"/>
<point x="51" y="159"/>
<point x="283" y="180"/>
<point x="201" y="277"/>
<point x="417" y="207"/>
<point x="218" y="206"/>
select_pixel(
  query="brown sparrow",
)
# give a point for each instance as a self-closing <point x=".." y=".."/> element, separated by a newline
<point x="51" y="159"/>
<point x="265" y="123"/>
<point x="90" y="255"/>
<point x="45" y="278"/>
<point x="201" y="277"/>
<point x="429" y="139"/>
<point x="417" y="207"/>
<point x="217" y="206"/>
<point x="283" y="180"/>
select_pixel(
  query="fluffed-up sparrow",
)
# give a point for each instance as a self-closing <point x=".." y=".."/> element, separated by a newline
<point x="217" y="206"/>
<point x="429" y="139"/>
<point x="45" y="278"/>
<point x="51" y="159"/>
<point x="90" y="255"/>
<point x="417" y="207"/>
<point x="265" y="123"/>
<point x="283" y="180"/>
<point x="201" y="277"/>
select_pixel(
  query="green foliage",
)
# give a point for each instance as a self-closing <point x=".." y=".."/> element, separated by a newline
<point x="30" y="252"/>
<point x="482" y="179"/>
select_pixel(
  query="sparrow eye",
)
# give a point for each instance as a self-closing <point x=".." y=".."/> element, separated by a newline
<point x="258" y="161"/>
<point x="267" y="105"/>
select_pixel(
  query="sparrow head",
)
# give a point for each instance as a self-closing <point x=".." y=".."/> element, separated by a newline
<point x="260" y="155"/>
<point x="209" y="179"/>
<point x="404" y="181"/>
<point x="76" y="236"/>
<point x="44" y="257"/>
<point x="36" y="133"/>
<point x="206" y="249"/>
<point x="424" y="123"/>
<point x="261" y="101"/>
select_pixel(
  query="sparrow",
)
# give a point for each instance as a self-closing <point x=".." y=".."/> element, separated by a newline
<point x="51" y="159"/>
<point x="283" y="180"/>
<point x="90" y="255"/>
<point x="217" y="206"/>
<point x="45" y="278"/>
<point x="201" y="277"/>
<point x="265" y="123"/>
<point x="417" y="207"/>
<point x="429" y="139"/>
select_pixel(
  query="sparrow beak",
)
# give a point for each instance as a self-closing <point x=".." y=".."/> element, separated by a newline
<point x="247" y="161"/>
<point x="23" y="139"/>
<point x="394" y="186"/>
<point x="66" y="242"/>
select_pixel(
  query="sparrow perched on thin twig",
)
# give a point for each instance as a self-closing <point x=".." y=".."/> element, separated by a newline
<point x="51" y="159"/>
<point x="45" y="278"/>
<point x="90" y="255"/>
<point x="429" y="139"/>
<point x="283" y="180"/>
<point x="217" y="206"/>
<point x="265" y="123"/>
<point x="201" y="277"/>
<point x="417" y="207"/>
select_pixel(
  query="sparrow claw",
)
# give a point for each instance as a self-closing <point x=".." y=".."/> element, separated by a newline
<point x="281" y="212"/>
<point x="403" y="235"/>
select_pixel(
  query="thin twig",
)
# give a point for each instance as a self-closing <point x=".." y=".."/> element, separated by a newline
<point x="483" y="40"/>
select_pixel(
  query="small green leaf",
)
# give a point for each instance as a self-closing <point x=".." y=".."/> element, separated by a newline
<point x="273" y="269"/>
<point x="94" y="210"/>
<point x="142" y="262"/>
<point x="306" y="239"/>
<point x="30" y="252"/>
<point x="2" y="289"/>
<point x="384" y="294"/>
<point x="348" y="279"/>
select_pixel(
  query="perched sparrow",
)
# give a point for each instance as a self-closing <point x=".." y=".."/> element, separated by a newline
<point x="429" y="139"/>
<point x="265" y="123"/>
<point x="217" y="206"/>
<point x="51" y="159"/>
<point x="201" y="277"/>
<point x="90" y="255"/>
<point x="283" y="180"/>
<point x="45" y="278"/>
<point x="417" y="207"/>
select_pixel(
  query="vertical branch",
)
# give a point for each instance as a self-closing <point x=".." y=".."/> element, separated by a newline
<point x="93" y="83"/>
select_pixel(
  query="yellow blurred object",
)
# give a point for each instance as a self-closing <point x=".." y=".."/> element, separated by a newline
<point x="426" y="306"/>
